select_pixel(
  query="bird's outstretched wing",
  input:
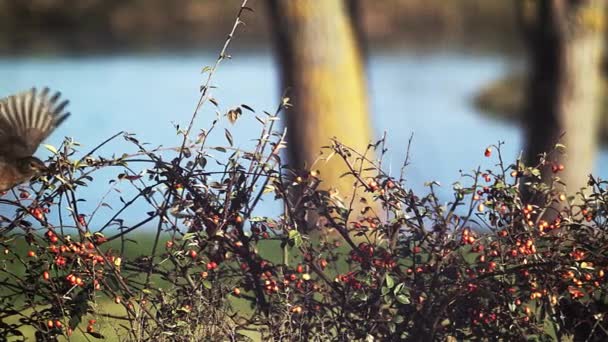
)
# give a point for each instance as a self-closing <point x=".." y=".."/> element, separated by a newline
<point x="26" y="119"/>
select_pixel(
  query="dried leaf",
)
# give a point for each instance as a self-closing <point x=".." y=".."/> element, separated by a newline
<point x="234" y="114"/>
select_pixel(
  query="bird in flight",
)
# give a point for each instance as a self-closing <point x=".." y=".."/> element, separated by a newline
<point x="26" y="119"/>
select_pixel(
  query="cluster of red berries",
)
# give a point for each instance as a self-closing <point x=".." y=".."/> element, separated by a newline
<point x="90" y="326"/>
<point x="70" y="252"/>
<point x="54" y="324"/>
<point x="468" y="237"/>
<point x="557" y="168"/>
<point x="480" y="317"/>
<point x="39" y="212"/>
<point x="350" y="280"/>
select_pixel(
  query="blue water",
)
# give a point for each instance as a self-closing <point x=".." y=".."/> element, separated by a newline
<point x="428" y="95"/>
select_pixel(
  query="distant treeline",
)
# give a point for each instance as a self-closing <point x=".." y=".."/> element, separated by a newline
<point x="35" y="26"/>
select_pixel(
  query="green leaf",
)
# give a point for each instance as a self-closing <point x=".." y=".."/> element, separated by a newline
<point x="549" y="328"/>
<point x="398" y="289"/>
<point x="560" y="147"/>
<point x="361" y="296"/>
<point x="50" y="148"/>
<point x="295" y="238"/>
<point x="403" y="299"/>
<point x="390" y="283"/>
<point x="188" y="236"/>
<point x="207" y="284"/>
<point x="398" y="319"/>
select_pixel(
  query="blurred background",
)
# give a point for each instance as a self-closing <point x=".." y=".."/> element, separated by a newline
<point x="459" y="75"/>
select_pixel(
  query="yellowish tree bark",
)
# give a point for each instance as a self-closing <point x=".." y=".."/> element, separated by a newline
<point x="322" y="70"/>
<point x="566" y="45"/>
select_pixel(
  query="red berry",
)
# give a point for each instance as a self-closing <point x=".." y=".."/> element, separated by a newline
<point x="488" y="152"/>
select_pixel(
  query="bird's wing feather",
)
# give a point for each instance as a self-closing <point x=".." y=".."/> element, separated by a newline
<point x="28" y="118"/>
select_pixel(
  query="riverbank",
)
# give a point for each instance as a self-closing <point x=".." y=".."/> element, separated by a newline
<point x="102" y="26"/>
<point x="503" y="99"/>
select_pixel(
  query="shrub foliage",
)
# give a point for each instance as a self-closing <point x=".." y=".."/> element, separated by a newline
<point x="388" y="263"/>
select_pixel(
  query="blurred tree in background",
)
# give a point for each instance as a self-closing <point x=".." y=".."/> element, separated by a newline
<point x="322" y="68"/>
<point x="565" y="42"/>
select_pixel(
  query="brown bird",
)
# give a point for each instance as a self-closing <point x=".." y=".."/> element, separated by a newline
<point x="26" y="119"/>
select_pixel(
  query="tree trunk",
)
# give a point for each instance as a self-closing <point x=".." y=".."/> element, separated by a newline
<point x="322" y="70"/>
<point x="565" y="44"/>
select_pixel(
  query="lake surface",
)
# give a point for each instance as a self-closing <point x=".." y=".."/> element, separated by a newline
<point x="425" y="94"/>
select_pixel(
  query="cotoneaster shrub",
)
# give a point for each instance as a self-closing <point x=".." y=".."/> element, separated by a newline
<point x="506" y="258"/>
<point x="401" y="266"/>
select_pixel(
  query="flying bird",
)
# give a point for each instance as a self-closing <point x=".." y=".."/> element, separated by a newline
<point x="26" y="119"/>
